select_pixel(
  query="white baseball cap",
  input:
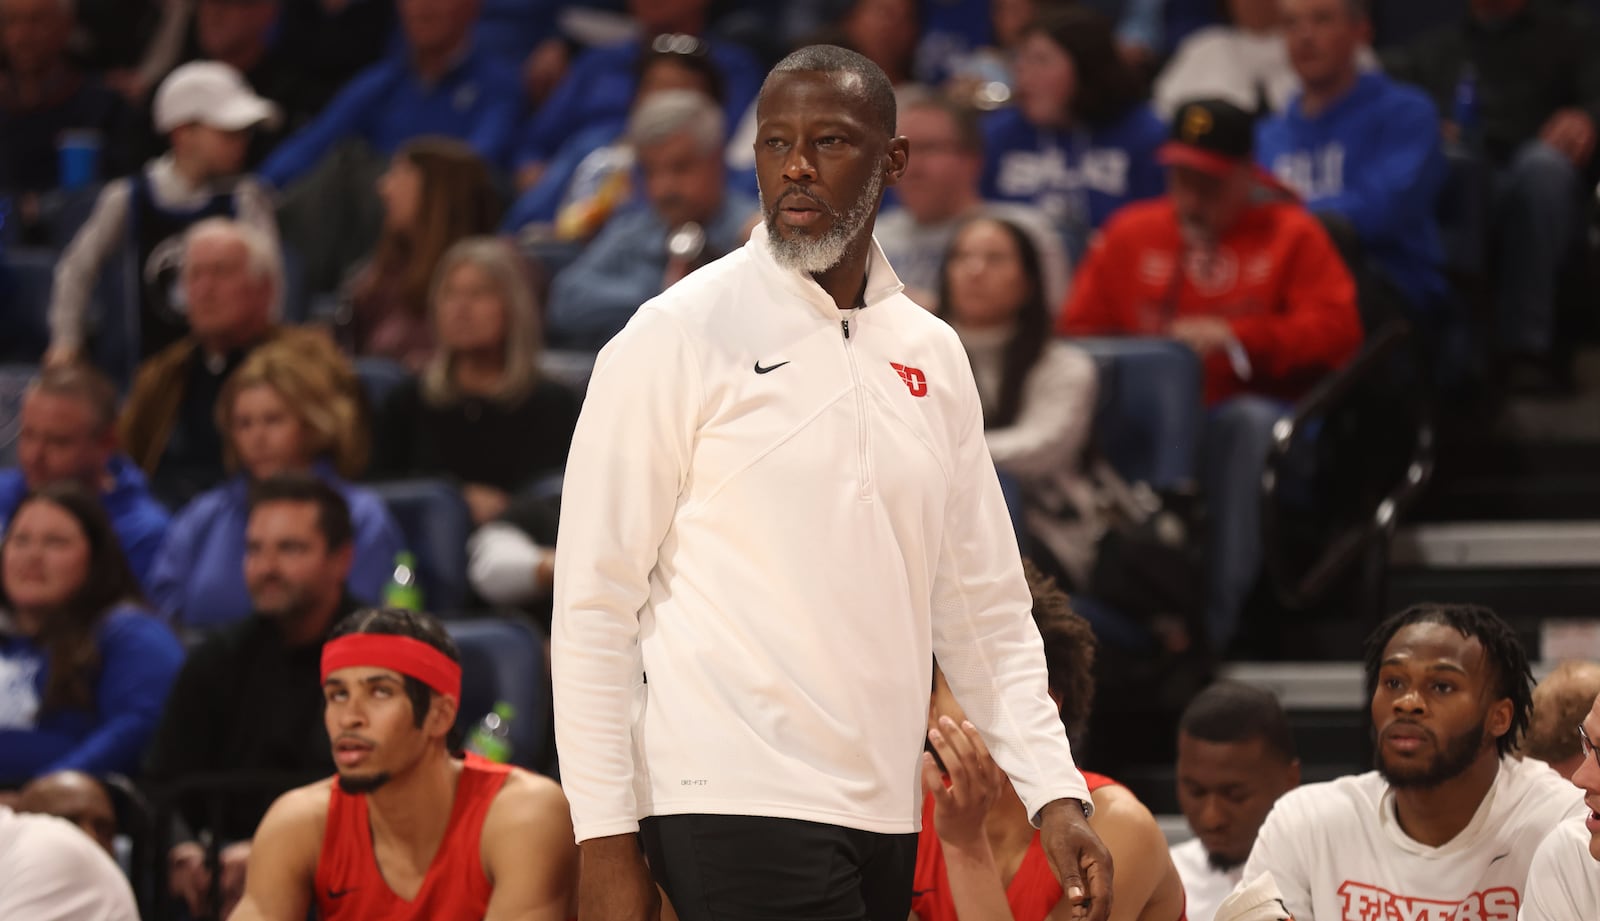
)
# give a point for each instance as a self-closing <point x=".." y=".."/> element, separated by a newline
<point x="213" y="94"/>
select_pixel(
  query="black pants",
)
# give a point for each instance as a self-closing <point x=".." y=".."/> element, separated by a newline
<point x="753" y="868"/>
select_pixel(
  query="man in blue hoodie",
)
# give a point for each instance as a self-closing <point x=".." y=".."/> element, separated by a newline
<point x="69" y="432"/>
<point x="1363" y="151"/>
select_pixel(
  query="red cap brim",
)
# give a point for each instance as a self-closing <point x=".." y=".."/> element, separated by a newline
<point x="1177" y="153"/>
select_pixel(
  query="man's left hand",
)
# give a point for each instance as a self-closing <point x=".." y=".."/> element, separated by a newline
<point x="1078" y="858"/>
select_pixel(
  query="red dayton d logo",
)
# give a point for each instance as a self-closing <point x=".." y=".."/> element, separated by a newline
<point x="916" y="381"/>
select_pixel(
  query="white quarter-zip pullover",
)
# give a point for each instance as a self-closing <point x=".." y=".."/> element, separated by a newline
<point x="775" y="514"/>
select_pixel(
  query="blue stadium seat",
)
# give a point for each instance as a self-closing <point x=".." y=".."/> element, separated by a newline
<point x="436" y="524"/>
<point x="14" y="380"/>
<point x="24" y="331"/>
<point x="63" y="213"/>
<point x="379" y="377"/>
<point x="1463" y="213"/>
<point x="296" y="300"/>
<point x="503" y="660"/>
<point x="1149" y="417"/>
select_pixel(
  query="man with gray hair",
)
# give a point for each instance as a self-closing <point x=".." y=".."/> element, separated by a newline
<point x="689" y="218"/>
<point x="232" y="281"/>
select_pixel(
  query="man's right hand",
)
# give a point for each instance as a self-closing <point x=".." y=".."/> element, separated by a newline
<point x="613" y="882"/>
<point x="188" y="878"/>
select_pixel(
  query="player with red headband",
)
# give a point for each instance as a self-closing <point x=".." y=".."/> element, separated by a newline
<point x="405" y="829"/>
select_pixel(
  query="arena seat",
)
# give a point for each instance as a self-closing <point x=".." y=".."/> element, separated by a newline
<point x="1149" y="416"/>
<point x="502" y="659"/>
<point x="379" y="378"/>
<point x="436" y="524"/>
<point x="14" y="379"/>
<point x="29" y="276"/>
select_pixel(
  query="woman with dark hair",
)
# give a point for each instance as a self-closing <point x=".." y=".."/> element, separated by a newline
<point x="1038" y="393"/>
<point x="84" y="669"/>
<point x="436" y="191"/>
<point x="1080" y="141"/>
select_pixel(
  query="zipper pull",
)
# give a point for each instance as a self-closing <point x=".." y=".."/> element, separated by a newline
<point x="845" y="325"/>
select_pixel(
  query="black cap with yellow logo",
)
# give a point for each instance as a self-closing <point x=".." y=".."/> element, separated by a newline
<point x="1209" y="135"/>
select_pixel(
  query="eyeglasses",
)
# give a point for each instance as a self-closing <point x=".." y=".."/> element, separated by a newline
<point x="679" y="43"/>
<point x="1589" y="751"/>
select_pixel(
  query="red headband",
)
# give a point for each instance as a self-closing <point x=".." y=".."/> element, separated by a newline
<point x="403" y="654"/>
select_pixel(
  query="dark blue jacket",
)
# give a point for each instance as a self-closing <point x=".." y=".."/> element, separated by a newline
<point x="139" y="520"/>
<point x="600" y="88"/>
<point x="139" y="659"/>
<point x="1375" y="159"/>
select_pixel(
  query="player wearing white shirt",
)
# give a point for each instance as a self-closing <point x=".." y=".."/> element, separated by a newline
<point x="1564" y="881"/>
<point x="51" y="871"/>
<point x="1445" y="828"/>
<point x="1235" y="758"/>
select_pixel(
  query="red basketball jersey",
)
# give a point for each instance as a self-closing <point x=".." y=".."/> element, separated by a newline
<point x="350" y="887"/>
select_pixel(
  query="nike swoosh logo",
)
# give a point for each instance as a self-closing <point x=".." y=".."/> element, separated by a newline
<point x="761" y="370"/>
<point x="339" y="893"/>
<point x="1501" y="857"/>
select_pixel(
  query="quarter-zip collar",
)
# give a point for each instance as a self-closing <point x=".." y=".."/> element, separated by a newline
<point x="882" y="282"/>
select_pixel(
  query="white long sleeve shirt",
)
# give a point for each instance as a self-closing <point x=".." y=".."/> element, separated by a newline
<point x="1204" y="886"/>
<point x="780" y="525"/>
<point x="51" y="871"/>
<point x="1564" y="880"/>
<point x="1230" y="63"/>
<point x="1338" y="852"/>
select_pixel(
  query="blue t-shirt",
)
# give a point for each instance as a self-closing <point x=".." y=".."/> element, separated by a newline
<point x="951" y="31"/>
<point x="139" y="660"/>
<point x="478" y="101"/>
<point x="1077" y="177"/>
<point x="1374" y="158"/>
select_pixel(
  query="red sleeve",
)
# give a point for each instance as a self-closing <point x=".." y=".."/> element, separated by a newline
<point x="1092" y="307"/>
<point x="1319" y="327"/>
<point x="928" y="884"/>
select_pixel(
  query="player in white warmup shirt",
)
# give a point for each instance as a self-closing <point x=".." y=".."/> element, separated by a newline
<point x="1564" y="881"/>
<point x="1235" y="758"/>
<point x="1445" y="828"/>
